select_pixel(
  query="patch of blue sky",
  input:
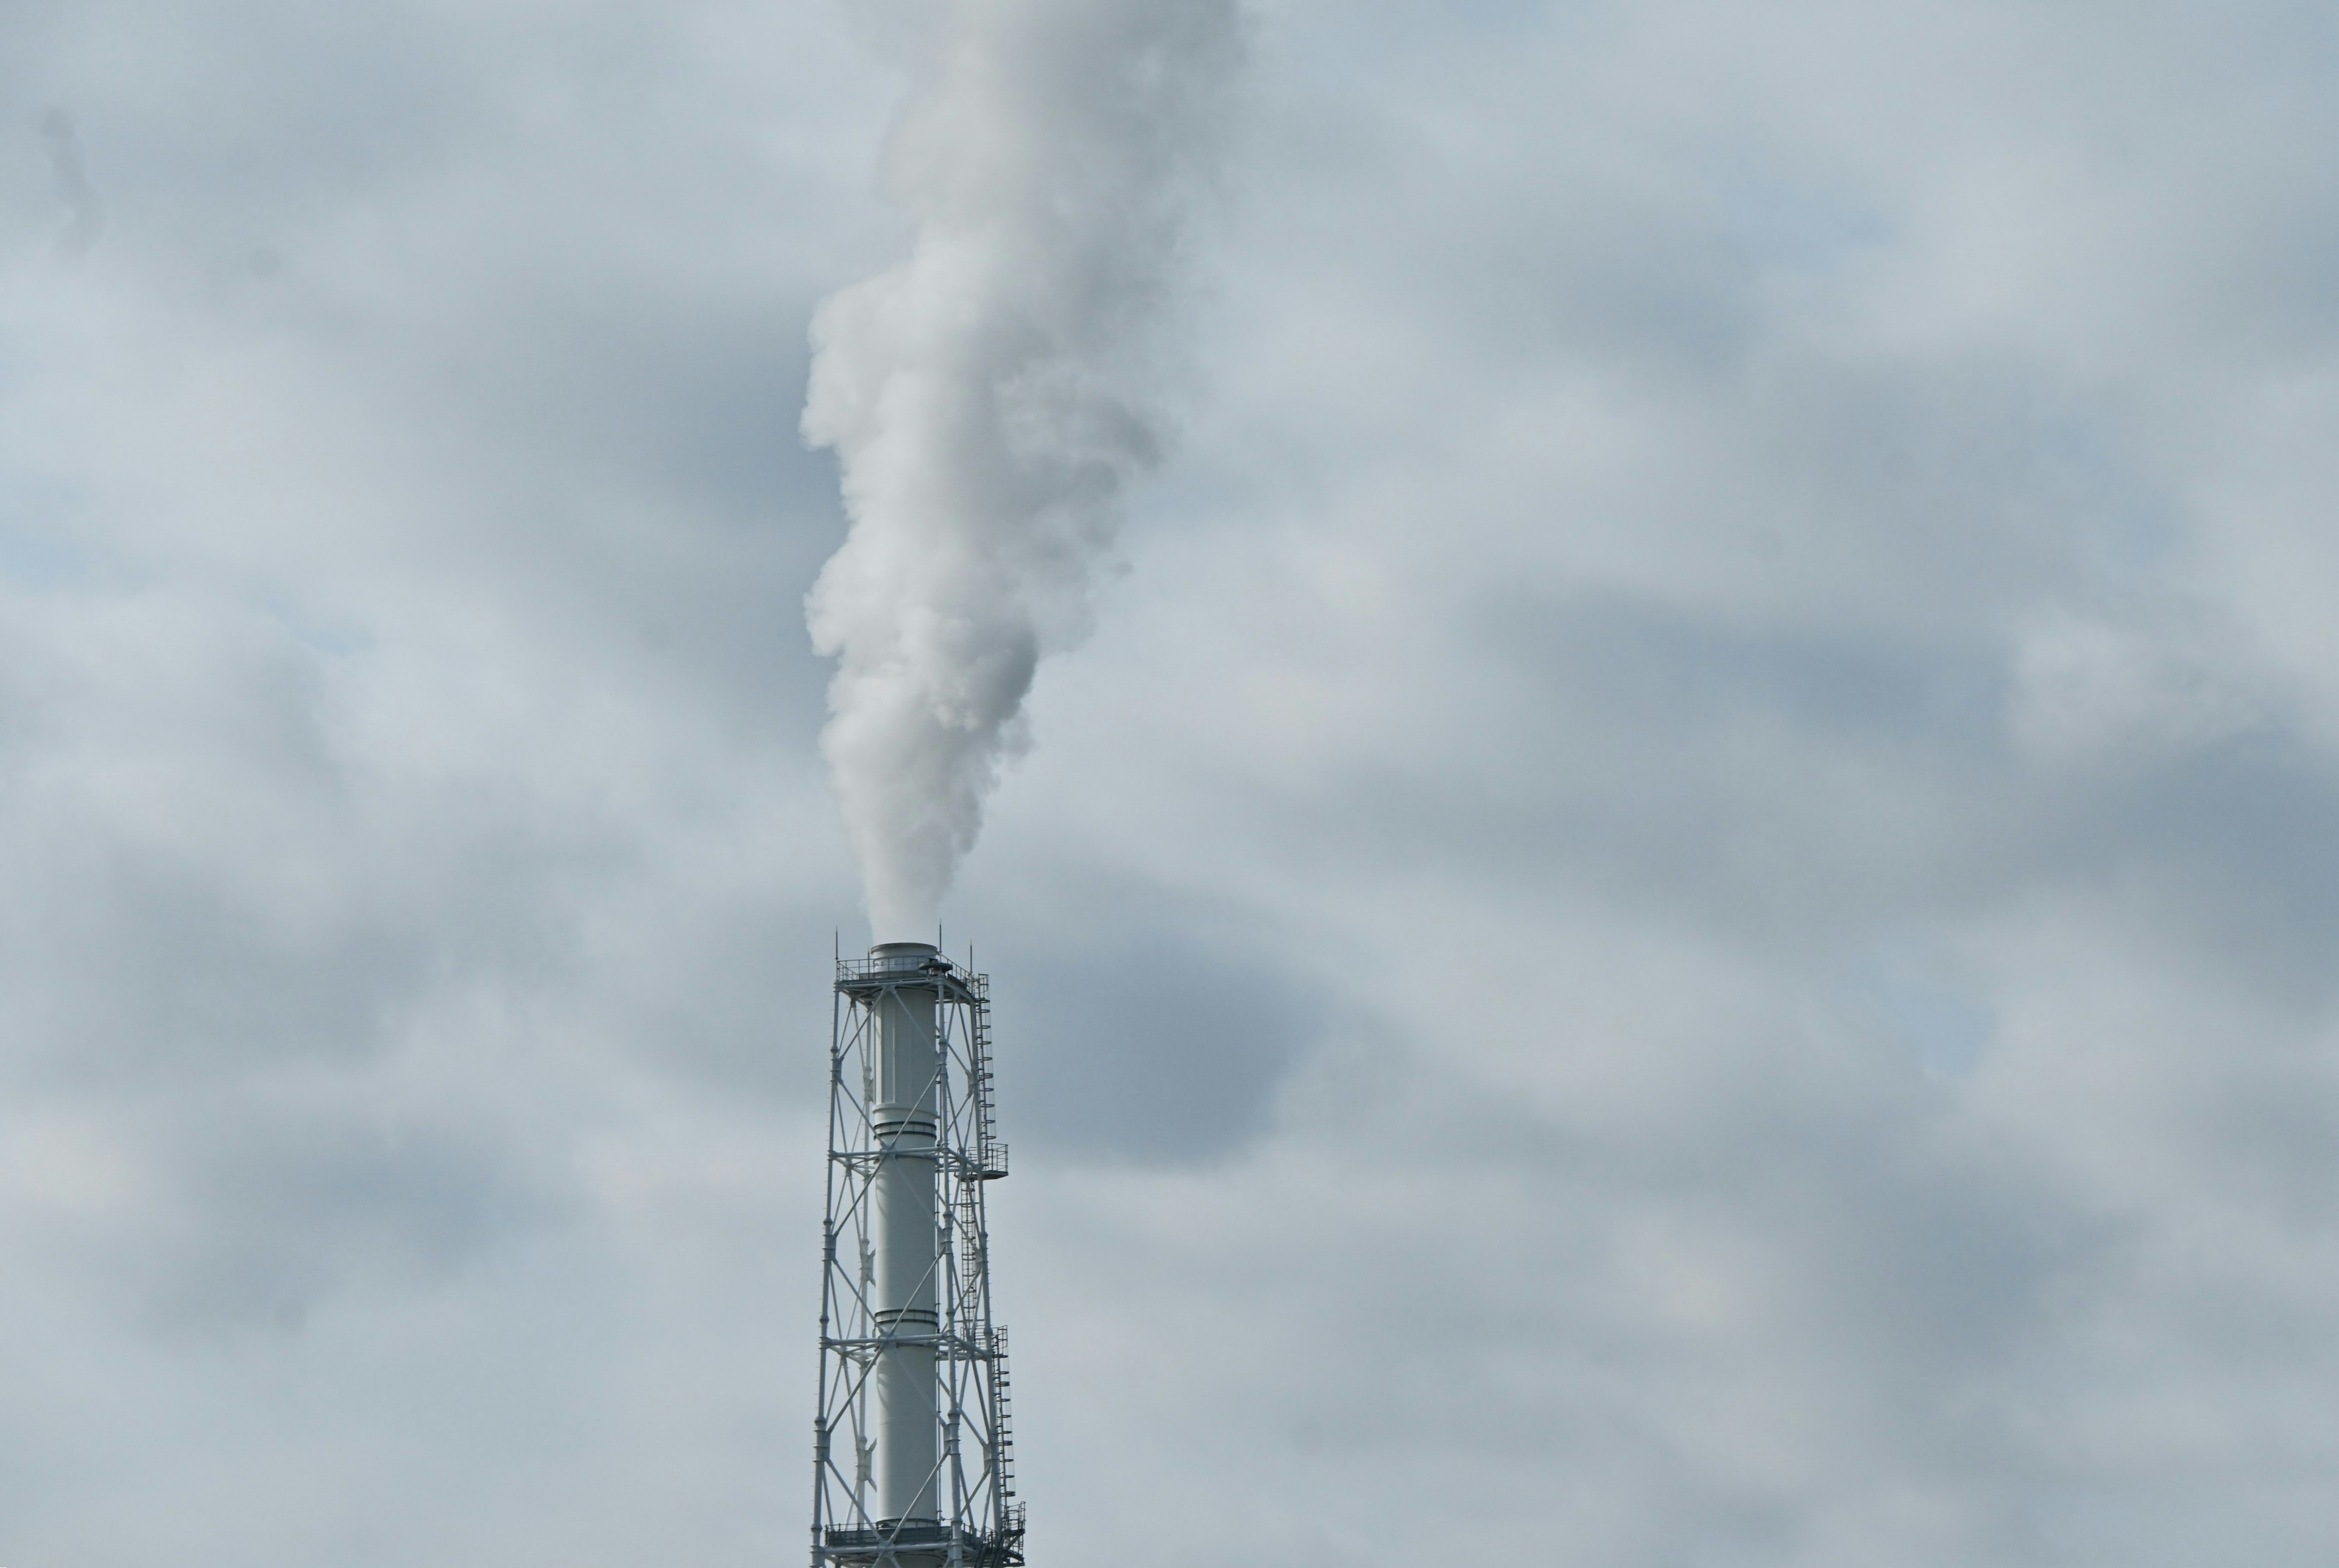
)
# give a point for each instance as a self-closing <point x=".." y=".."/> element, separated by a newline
<point x="1944" y="1025"/>
<point x="1778" y="223"/>
<point x="332" y="640"/>
<point x="33" y="552"/>
<point x="2090" y="468"/>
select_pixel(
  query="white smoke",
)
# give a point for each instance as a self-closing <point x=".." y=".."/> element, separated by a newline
<point x="990" y="399"/>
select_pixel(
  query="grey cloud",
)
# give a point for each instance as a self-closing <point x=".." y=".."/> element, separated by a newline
<point x="2236" y="841"/>
<point x="1676" y="671"/>
<point x="1162" y="1040"/>
<point x="1687" y="756"/>
<point x="1676" y="759"/>
<point x="275" y="1210"/>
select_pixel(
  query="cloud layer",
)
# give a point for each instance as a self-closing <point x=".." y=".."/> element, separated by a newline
<point x="1676" y="914"/>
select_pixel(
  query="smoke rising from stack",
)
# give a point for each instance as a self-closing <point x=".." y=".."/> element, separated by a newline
<point x="991" y="398"/>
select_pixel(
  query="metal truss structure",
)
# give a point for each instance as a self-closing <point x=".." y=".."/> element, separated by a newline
<point x="911" y="1445"/>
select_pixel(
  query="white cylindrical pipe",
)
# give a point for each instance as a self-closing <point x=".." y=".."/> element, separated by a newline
<point x="906" y="1115"/>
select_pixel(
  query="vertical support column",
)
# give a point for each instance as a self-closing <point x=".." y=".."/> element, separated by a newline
<point x="906" y="1117"/>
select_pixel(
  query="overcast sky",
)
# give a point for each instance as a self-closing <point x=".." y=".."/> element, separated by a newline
<point x="1682" y="913"/>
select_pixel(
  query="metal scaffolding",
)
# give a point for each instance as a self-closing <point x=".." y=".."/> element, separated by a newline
<point x="911" y="1445"/>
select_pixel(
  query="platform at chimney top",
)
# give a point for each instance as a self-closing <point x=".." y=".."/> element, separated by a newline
<point x="922" y="1540"/>
<point x="906" y="964"/>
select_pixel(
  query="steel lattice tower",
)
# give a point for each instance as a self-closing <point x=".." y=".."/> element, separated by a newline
<point x="910" y="1449"/>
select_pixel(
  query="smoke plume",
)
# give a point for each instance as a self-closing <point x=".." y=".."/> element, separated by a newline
<point x="991" y="397"/>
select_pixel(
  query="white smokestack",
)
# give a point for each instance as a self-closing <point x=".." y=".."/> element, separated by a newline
<point x="989" y="398"/>
<point x="905" y="1116"/>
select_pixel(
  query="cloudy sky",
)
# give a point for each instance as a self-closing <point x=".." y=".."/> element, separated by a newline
<point x="1680" y="912"/>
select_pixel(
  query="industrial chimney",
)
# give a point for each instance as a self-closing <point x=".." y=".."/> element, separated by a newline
<point x="911" y="1466"/>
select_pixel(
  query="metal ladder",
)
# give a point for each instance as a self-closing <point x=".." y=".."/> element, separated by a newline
<point x="989" y="1152"/>
<point x="1004" y="1437"/>
<point x="972" y="1245"/>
